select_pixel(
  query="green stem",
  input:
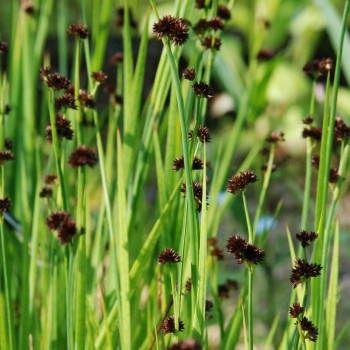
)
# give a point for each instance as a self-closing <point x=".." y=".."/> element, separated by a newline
<point x="249" y="226"/>
<point x="250" y="308"/>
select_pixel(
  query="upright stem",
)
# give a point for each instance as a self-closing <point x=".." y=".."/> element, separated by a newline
<point x="250" y="307"/>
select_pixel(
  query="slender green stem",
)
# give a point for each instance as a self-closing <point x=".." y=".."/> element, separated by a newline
<point x="250" y="308"/>
<point x="246" y="211"/>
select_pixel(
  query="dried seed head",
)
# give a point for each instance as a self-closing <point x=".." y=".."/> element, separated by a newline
<point x="174" y="28"/>
<point x="51" y="179"/>
<point x="55" y="81"/>
<point x="310" y="330"/>
<point x="203" y="134"/>
<point x="117" y="58"/>
<point x="168" y="325"/>
<point x="189" y="74"/>
<point x="308" y="120"/>
<point x="201" y="4"/>
<point x="276" y="137"/>
<point x="197" y="192"/>
<point x="341" y="130"/>
<point x="82" y="156"/>
<point x="79" y="31"/>
<point x="303" y="270"/>
<point x="223" y="291"/>
<point x="295" y="310"/>
<point x="216" y="24"/>
<point x="210" y="42"/>
<point x="315" y="161"/>
<point x="46" y="192"/>
<point x="62" y="222"/>
<point x="86" y="100"/>
<point x="65" y="101"/>
<point x="5" y="156"/>
<point x="63" y="128"/>
<point x="99" y="77"/>
<point x="5" y="205"/>
<point x="178" y="163"/>
<point x="333" y="175"/>
<point x="4" y="47"/>
<point x="265" y="55"/>
<point x="169" y="256"/>
<point x="201" y="27"/>
<point x="317" y="68"/>
<point x="313" y="132"/>
<point x="240" y="182"/>
<point x="189" y="344"/>
<point x="218" y="252"/>
<point x="197" y="163"/>
<point x="202" y="89"/>
<point x="8" y="144"/>
<point x="224" y="12"/>
<point x="306" y="238"/>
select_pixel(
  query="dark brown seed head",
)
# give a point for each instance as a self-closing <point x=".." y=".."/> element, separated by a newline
<point x="178" y="163"/>
<point x="201" y="4"/>
<point x="86" y="100"/>
<point x="188" y="285"/>
<point x="169" y="256"/>
<point x="341" y="130"/>
<point x="333" y="175"/>
<point x="202" y="89"/>
<point x="168" y="325"/>
<point x="51" y="179"/>
<point x="311" y="331"/>
<point x="308" y="120"/>
<point x="82" y="156"/>
<point x="315" y="161"/>
<point x="117" y="58"/>
<point x="303" y="270"/>
<point x="253" y="255"/>
<point x="216" y="24"/>
<point x="28" y="7"/>
<point x="313" y="132"/>
<point x="4" y="47"/>
<point x="5" y="156"/>
<point x="201" y="27"/>
<point x="306" y="238"/>
<point x="63" y="128"/>
<point x="46" y="192"/>
<point x="5" y="205"/>
<point x="174" y="28"/>
<point x="210" y="42"/>
<point x="295" y="310"/>
<point x="99" y="77"/>
<point x="189" y="74"/>
<point x="223" y="291"/>
<point x="62" y="222"/>
<point x="218" y="252"/>
<point x="240" y="182"/>
<point x="65" y="101"/>
<point x="317" y="68"/>
<point x="197" y="163"/>
<point x="276" y="137"/>
<point x="224" y="12"/>
<point x="203" y="134"/>
<point x="79" y="31"/>
<point x="266" y="55"/>
<point x="55" y="81"/>
<point x="8" y="144"/>
<point x="189" y="344"/>
<point x="197" y="191"/>
<point x="55" y="220"/>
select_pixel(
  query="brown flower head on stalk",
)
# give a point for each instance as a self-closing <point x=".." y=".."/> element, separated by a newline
<point x="314" y="133"/>
<point x="315" y="161"/>
<point x="55" y="81"/>
<point x="117" y="58"/>
<point x="276" y="137"/>
<point x="8" y="144"/>
<point x="245" y="252"/>
<point x="63" y="128"/>
<point x="65" y="101"/>
<point x="188" y="344"/>
<point x="265" y="55"/>
<point x="174" y="28"/>
<point x="99" y="77"/>
<point x="203" y="134"/>
<point x="208" y="309"/>
<point x="86" y="100"/>
<point x="202" y="89"/>
<point x="341" y="130"/>
<point x="79" y="31"/>
<point x="303" y="270"/>
<point x="318" y="68"/>
<point x="223" y="12"/>
<point x="308" y="120"/>
<point x="5" y="205"/>
<point x="168" y="325"/>
<point x="5" y="156"/>
<point x="46" y="192"/>
<point x="306" y="238"/>
<point x="210" y="42"/>
<point x="197" y="191"/>
<point x="240" y="182"/>
<point x="62" y="222"/>
<point x="217" y="251"/>
<point x="201" y="4"/>
<point x="189" y="74"/>
<point x="28" y="7"/>
<point x="295" y="310"/>
<point x="333" y="172"/>
<point x="216" y="24"/>
<point x="4" y="47"/>
<point x="169" y="256"/>
<point x="51" y="179"/>
<point x="310" y="330"/>
<point x="82" y="156"/>
<point x="201" y="27"/>
<point x="223" y="291"/>
<point x="178" y="163"/>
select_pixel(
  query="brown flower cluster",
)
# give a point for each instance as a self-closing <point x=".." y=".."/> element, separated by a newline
<point x="5" y="205"/>
<point x="174" y="28"/>
<point x="225" y="288"/>
<point x="169" y="256"/>
<point x="318" y="67"/>
<point x="341" y="130"/>
<point x="215" y="249"/>
<point x="202" y="89"/>
<point x="203" y="134"/>
<point x="63" y="127"/>
<point x="313" y="132"/>
<point x="4" y="47"/>
<point x="333" y="172"/>
<point x="5" y="156"/>
<point x="276" y="137"/>
<point x="62" y="222"/>
<point x="197" y="192"/>
<point x="244" y="252"/>
<point x="178" y="163"/>
<point x="82" y="156"/>
<point x="309" y="329"/>
<point x="189" y="74"/>
<point x="55" y="80"/>
<point x="211" y="42"/>
<point x="99" y="77"/>
<point x="303" y="270"/>
<point x="168" y="326"/>
<point x="86" y="99"/>
<point x="306" y="238"/>
<point x="296" y="310"/>
<point x="188" y="344"/>
<point x="50" y="180"/>
<point x="240" y="182"/>
<point x="65" y="101"/>
<point x="79" y="31"/>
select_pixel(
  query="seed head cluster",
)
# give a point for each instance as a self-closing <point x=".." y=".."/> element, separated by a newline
<point x="318" y="67"/>
<point x="55" y="80"/>
<point x="168" y="326"/>
<point x="309" y="329"/>
<point x="62" y="222"/>
<point x="197" y="192"/>
<point x="203" y="134"/>
<point x="276" y="137"/>
<point x="99" y="77"/>
<point x="63" y="127"/>
<point x="5" y="156"/>
<point x="240" y="182"/>
<point x="188" y="344"/>
<point x="211" y="42"/>
<point x="79" y="31"/>
<point x="202" y="89"/>
<point x="169" y="256"/>
<point x="341" y="130"/>
<point x="65" y="101"/>
<point x="82" y="156"/>
<point x="306" y="238"/>
<point x="86" y="99"/>
<point x="313" y="132"/>
<point x="303" y="270"/>
<point x="189" y="74"/>
<point x="5" y="205"/>
<point x="295" y="310"/>
<point x="174" y="28"/>
<point x="178" y="163"/>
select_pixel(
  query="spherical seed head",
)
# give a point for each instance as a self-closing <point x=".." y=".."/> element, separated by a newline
<point x="216" y="24"/>
<point x="46" y="192"/>
<point x="197" y="163"/>
<point x="317" y="68"/>
<point x="8" y="144"/>
<point x="63" y="127"/>
<point x="303" y="270"/>
<point x="5" y="156"/>
<point x="82" y="156"/>
<point x="306" y="238"/>
<point x="201" y="27"/>
<point x="203" y="134"/>
<point x="55" y="220"/>
<point x="202" y="89"/>
<point x="313" y="132"/>
<point x="265" y="54"/>
<point x="65" y="101"/>
<point x="5" y="205"/>
<point x="99" y="77"/>
<point x="79" y="31"/>
<point x="189" y="344"/>
<point x="86" y="100"/>
<point x="276" y="137"/>
<point x="295" y="310"/>
<point x="311" y="331"/>
<point x="51" y="179"/>
<point x="189" y="74"/>
<point x="315" y="161"/>
<point x="174" y="28"/>
<point x="178" y="163"/>
<point x="67" y="230"/>
<point x="308" y="120"/>
<point x="253" y="255"/>
<point x="117" y="58"/>
<point x="55" y="81"/>
<point x="341" y="130"/>
<point x="197" y="192"/>
<point x="168" y="325"/>
<point x="211" y="43"/>
<point x="223" y="12"/>
<point x="223" y="291"/>
<point x="240" y="182"/>
<point x="333" y="175"/>
<point x="218" y="252"/>
<point x="4" y="47"/>
<point x="169" y="256"/>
